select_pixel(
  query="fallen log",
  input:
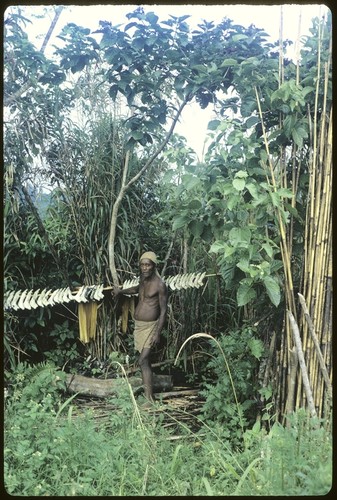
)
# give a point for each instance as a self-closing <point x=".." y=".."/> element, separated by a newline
<point x="180" y="394"/>
<point x="113" y="386"/>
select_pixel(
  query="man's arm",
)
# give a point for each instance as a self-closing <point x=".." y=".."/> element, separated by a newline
<point x="163" y="298"/>
<point x="133" y="290"/>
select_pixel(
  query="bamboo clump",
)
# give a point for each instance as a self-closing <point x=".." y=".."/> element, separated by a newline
<point x="314" y="350"/>
<point x="317" y="278"/>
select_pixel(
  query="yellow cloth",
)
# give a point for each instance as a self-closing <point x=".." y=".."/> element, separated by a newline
<point x="149" y="255"/>
<point x="87" y="315"/>
<point x="143" y="334"/>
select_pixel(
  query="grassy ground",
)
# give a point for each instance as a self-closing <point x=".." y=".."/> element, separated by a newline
<point x="53" y="449"/>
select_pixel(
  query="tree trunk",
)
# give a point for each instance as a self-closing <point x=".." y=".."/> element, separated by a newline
<point x="126" y="185"/>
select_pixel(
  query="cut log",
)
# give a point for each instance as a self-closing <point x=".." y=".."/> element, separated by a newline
<point x="180" y="394"/>
<point x="112" y="387"/>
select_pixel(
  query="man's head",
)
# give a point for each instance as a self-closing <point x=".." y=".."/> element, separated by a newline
<point x="148" y="263"/>
<point x="150" y="256"/>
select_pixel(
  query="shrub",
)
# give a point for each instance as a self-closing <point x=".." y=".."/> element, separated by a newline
<point x="229" y="384"/>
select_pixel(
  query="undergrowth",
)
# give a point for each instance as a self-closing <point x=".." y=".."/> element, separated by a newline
<point x="50" y="452"/>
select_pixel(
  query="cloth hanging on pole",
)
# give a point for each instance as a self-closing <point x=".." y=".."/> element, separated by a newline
<point x="87" y="317"/>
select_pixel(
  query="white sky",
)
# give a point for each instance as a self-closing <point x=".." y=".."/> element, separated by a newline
<point x="296" y="21"/>
<point x="263" y="16"/>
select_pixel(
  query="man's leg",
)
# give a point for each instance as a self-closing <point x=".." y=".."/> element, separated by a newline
<point x="145" y="366"/>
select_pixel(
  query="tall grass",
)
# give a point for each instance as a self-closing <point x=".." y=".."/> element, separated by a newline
<point x="50" y="451"/>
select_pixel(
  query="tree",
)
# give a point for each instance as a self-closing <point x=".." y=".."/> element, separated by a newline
<point x="158" y="67"/>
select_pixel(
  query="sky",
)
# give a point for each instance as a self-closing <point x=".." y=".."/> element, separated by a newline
<point x="193" y="125"/>
<point x="263" y="16"/>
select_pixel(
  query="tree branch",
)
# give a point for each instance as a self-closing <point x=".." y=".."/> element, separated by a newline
<point x="22" y="90"/>
<point x="125" y="186"/>
<point x="52" y="27"/>
<point x="162" y="145"/>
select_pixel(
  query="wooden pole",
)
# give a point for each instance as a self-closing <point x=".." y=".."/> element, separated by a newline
<point x="316" y="344"/>
<point x="305" y="378"/>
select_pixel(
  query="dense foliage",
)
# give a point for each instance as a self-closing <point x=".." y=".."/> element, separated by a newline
<point x="95" y="174"/>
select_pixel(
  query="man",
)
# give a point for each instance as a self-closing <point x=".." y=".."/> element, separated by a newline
<point x="150" y="315"/>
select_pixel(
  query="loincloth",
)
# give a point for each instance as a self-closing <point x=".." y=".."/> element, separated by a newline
<point x="143" y="334"/>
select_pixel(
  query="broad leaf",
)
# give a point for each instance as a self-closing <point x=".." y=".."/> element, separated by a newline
<point x="179" y="222"/>
<point x="245" y="293"/>
<point x="273" y="289"/>
<point x="239" y="235"/>
<point x="239" y="184"/>
<point x="256" y="347"/>
<point x="213" y="124"/>
<point x="217" y="246"/>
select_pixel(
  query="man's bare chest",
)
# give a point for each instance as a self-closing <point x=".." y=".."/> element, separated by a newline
<point x="148" y="291"/>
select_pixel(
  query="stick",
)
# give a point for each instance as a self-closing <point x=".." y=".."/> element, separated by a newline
<point x="291" y="383"/>
<point x="173" y="394"/>
<point x="305" y="378"/>
<point x="154" y="365"/>
<point x="316" y="343"/>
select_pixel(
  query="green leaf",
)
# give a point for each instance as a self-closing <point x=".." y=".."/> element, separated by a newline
<point x="256" y="347"/>
<point x="285" y="193"/>
<point x="227" y="188"/>
<point x="273" y="289"/>
<point x="137" y="134"/>
<point x="276" y="201"/>
<point x="237" y="38"/>
<point x="194" y="204"/>
<point x="207" y="234"/>
<point x="244" y="266"/>
<point x="213" y="124"/>
<point x="251" y="121"/>
<point x="253" y="190"/>
<point x="239" y="235"/>
<point x="228" y="62"/>
<point x="233" y="201"/>
<point x="190" y="181"/>
<point x="239" y="184"/>
<point x="288" y="124"/>
<point x="209" y="490"/>
<point x="268" y="249"/>
<point x="139" y="43"/>
<point x="245" y="293"/>
<point x="152" y="18"/>
<point x="241" y="174"/>
<point x="217" y="246"/>
<point x="179" y="222"/>
<point x="298" y="134"/>
<point x="196" y="227"/>
<point x="228" y="251"/>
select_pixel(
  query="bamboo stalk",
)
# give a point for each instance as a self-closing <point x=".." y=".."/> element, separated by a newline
<point x="269" y="361"/>
<point x="301" y="360"/>
<point x="316" y="343"/>
<point x="289" y="407"/>
<point x="284" y="244"/>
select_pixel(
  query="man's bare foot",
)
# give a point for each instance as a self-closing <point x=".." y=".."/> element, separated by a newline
<point x="147" y="404"/>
